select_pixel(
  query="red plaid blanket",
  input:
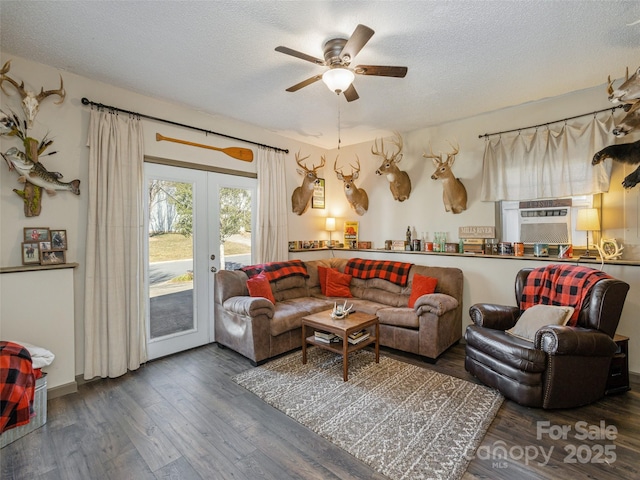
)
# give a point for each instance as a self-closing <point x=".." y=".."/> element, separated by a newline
<point x="277" y="270"/>
<point x="395" y="272"/>
<point x="565" y="285"/>
<point x="17" y="386"/>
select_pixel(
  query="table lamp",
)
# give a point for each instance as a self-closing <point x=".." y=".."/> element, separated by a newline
<point x="330" y="226"/>
<point x="588" y="221"/>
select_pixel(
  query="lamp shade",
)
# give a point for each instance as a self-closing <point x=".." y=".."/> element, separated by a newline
<point x="330" y="224"/>
<point x="338" y="79"/>
<point x="588" y="220"/>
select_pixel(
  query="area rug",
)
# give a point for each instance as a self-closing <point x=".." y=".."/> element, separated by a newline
<point x="405" y="421"/>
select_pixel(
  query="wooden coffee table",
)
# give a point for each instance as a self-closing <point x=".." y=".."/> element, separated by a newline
<point x="343" y="328"/>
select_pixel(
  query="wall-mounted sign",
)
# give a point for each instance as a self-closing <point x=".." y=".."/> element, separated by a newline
<point x="476" y="232"/>
<point x="317" y="200"/>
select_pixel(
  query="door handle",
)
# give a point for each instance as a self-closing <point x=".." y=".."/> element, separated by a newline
<point x="214" y="269"/>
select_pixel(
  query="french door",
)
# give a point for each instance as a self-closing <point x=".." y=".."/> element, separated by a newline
<point x="192" y="217"/>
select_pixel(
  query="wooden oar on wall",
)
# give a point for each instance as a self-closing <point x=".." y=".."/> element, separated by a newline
<point x="244" y="154"/>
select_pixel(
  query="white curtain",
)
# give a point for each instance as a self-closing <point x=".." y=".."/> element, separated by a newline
<point x="272" y="239"/>
<point x="114" y="317"/>
<point x="550" y="163"/>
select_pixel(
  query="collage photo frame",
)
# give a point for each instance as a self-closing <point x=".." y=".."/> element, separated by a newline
<point x="44" y="246"/>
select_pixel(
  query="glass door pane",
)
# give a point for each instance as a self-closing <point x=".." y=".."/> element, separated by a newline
<point x="236" y="226"/>
<point x="170" y="257"/>
<point x="178" y="271"/>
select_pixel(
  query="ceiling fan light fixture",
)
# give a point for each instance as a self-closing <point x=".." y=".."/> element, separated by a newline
<point x="338" y="79"/>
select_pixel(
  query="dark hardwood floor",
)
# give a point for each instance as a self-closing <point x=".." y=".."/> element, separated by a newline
<point x="182" y="417"/>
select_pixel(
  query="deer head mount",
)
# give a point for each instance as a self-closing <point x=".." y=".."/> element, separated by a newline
<point x="302" y="195"/>
<point x="454" y="195"/>
<point x="629" y="94"/>
<point x="30" y="101"/>
<point x="357" y="197"/>
<point x="399" y="181"/>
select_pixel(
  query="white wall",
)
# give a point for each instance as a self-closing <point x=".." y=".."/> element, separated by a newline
<point x="486" y="280"/>
<point x="424" y="210"/>
<point x="67" y="125"/>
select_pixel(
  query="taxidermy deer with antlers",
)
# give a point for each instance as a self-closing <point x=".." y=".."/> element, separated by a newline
<point x="30" y="101"/>
<point x="302" y="195"/>
<point x="357" y="197"/>
<point x="629" y="94"/>
<point x="628" y="153"/>
<point x="399" y="181"/>
<point x="454" y="195"/>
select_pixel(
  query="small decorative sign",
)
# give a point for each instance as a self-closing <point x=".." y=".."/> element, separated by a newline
<point x="351" y="234"/>
<point x="317" y="200"/>
<point x="477" y="232"/>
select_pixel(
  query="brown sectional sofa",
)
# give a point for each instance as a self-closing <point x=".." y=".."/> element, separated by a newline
<point x="259" y="330"/>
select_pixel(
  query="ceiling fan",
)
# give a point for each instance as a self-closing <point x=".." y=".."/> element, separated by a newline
<point x="338" y="55"/>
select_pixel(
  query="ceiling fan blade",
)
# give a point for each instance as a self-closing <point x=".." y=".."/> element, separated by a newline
<point x="381" y="71"/>
<point x="303" y="56"/>
<point x="350" y="93"/>
<point x="359" y="38"/>
<point x="304" y="83"/>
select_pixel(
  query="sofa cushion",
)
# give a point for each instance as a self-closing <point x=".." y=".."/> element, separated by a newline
<point x="259" y="287"/>
<point x="538" y="316"/>
<point x="421" y="285"/>
<point x="287" y="316"/>
<point x="398" y="316"/>
<point x="288" y="288"/>
<point x="511" y="351"/>
<point x="338" y="284"/>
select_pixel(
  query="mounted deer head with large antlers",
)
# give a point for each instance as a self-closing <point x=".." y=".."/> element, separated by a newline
<point x="357" y="197"/>
<point x="454" y="195"/>
<point x="302" y="195"/>
<point x="628" y="92"/>
<point x="399" y="181"/>
<point x="30" y="101"/>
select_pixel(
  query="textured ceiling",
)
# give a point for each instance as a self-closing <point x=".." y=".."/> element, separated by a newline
<point x="464" y="57"/>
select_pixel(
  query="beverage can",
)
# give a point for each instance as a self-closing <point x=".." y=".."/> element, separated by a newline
<point x="518" y="249"/>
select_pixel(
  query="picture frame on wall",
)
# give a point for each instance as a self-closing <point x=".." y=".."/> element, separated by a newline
<point x="52" y="257"/>
<point x="36" y="234"/>
<point x="317" y="200"/>
<point x="30" y="253"/>
<point x="58" y="239"/>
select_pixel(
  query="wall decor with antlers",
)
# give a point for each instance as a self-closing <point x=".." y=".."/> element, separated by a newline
<point x="357" y="197"/>
<point x="454" y="195"/>
<point x="301" y="197"/>
<point x="32" y="174"/>
<point x="628" y="93"/>
<point x="30" y="101"/>
<point x="399" y="181"/>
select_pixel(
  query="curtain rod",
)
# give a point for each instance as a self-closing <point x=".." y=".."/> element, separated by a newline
<point x="487" y="135"/>
<point x="86" y="101"/>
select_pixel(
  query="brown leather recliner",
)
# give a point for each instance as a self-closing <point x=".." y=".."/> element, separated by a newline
<point x="564" y="367"/>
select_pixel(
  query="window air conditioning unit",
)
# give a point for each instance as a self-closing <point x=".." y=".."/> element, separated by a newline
<point x="545" y="221"/>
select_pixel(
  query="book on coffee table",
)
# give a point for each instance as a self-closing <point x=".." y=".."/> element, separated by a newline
<point x="325" y="337"/>
<point x="361" y="338"/>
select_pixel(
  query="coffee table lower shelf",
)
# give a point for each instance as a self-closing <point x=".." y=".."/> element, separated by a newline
<point x="338" y="347"/>
<point x="342" y="328"/>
